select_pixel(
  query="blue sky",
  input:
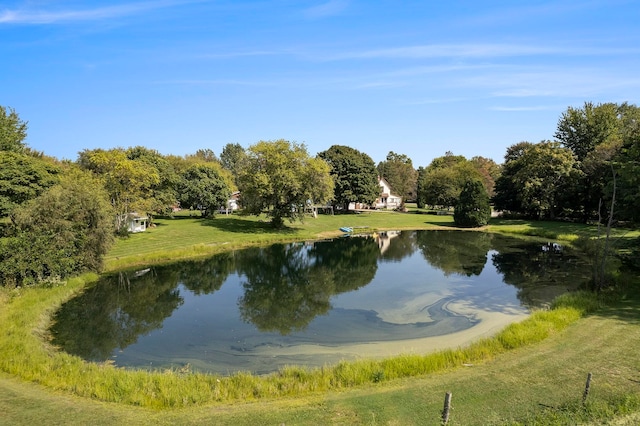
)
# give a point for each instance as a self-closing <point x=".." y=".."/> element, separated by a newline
<point x="415" y="77"/>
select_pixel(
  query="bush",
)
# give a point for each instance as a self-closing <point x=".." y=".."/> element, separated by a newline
<point x="472" y="209"/>
<point x="65" y="231"/>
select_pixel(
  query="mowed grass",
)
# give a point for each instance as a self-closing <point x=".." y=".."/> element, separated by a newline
<point x="531" y="373"/>
<point x="541" y="384"/>
<point x="187" y="237"/>
<point x="184" y="237"/>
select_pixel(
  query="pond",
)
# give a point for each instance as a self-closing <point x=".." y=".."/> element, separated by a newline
<point x="315" y="303"/>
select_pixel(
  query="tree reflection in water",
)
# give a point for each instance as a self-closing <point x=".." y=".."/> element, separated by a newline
<point x="282" y="289"/>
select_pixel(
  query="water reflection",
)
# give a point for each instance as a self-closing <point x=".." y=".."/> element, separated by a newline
<point x="287" y="286"/>
<point x="255" y="308"/>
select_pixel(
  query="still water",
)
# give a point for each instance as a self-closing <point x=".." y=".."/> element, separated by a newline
<point x="315" y="303"/>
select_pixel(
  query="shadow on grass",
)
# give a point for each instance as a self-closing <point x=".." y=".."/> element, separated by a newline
<point x="627" y="308"/>
<point x="547" y="229"/>
<point x="244" y="226"/>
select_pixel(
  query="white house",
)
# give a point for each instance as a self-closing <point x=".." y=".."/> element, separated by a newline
<point x="387" y="200"/>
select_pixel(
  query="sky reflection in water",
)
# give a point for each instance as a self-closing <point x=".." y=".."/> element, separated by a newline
<point x="310" y="304"/>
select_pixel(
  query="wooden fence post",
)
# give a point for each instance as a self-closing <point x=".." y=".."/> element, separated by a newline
<point x="587" y="387"/>
<point x="446" y="409"/>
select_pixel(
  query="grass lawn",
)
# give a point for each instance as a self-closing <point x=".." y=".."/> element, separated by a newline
<point x="543" y="380"/>
<point x="187" y="237"/>
<point x="541" y="383"/>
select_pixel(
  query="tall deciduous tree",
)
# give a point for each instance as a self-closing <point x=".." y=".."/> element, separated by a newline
<point x="202" y="187"/>
<point x="489" y="171"/>
<point x="354" y="175"/>
<point x="507" y="196"/>
<point x="128" y="182"/>
<point x="234" y="159"/>
<point x="13" y="131"/>
<point x="627" y="161"/>
<point x="399" y="172"/>
<point x="23" y="177"/>
<point x="282" y="178"/>
<point x="163" y="194"/>
<point x="442" y="181"/>
<point x="592" y="133"/>
<point x="535" y="178"/>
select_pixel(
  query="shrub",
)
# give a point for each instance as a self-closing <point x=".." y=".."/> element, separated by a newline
<point x="472" y="209"/>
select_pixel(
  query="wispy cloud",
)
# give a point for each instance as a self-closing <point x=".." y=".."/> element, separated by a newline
<point x="527" y="108"/>
<point x="35" y="17"/>
<point x="476" y="51"/>
<point x="456" y="50"/>
<point x="330" y="8"/>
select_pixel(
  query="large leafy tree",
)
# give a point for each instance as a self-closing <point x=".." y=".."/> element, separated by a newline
<point x="534" y="175"/>
<point x="489" y="171"/>
<point x="354" y="175"/>
<point x="163" y="194"/>
<point x="128" y="182"/>
<point x="399" y="172"/>
<point x="24" y="174"/>
<point x="442" y="181"/>
<point x="582" y="129"/>
<point x="508" y="197"/>
<point x="626" y="164"/>
<point x="202" y="187"/>
<point x="592" y="133"/>
<point x="22" y="178"/>
<point x="13" y="131"/>
<point x="281" y="179"/>
<point x="234" y="159"/>
<point x="65" y="231"/>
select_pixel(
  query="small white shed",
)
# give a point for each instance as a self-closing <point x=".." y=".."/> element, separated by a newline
<point x="136" y="223"/>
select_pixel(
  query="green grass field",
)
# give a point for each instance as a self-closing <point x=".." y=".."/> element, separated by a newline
<point x="538" y="383"/>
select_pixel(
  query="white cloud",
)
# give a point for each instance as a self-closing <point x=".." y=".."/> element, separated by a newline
<point x="34" y="17"/>
<point x="330" y="8"/>
<point x="527" y="108"/>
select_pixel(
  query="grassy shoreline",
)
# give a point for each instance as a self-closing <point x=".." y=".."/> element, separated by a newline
<point x="25" y="354"/>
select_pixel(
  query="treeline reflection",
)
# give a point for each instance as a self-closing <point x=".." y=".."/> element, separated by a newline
<point x="286" y="286"/>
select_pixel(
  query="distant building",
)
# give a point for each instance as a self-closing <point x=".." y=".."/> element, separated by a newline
<point x="134" y="222"/>
<point x="387" y="200"/>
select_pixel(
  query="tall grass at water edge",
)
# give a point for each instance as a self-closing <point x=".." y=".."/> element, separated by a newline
<point x="26" y="353"/>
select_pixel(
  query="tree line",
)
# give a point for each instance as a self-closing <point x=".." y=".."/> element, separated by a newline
<point x="59" y="218"/>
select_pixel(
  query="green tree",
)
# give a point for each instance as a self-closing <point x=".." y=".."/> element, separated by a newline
<point x="13" y="131"/>
<point x="22" y="178"/>
<point x="507" y="196"/>
<point x="472" y="209"/>
<point x="203" y="188"/>
<point x="128" y="182"/>
<point x="442" y="181"/>
<point x="203" y="155"/>
<point x="585" y="131"/>
<point x="399" y="172"/>
<point x="627" y="162"/>
<point x="234" y="159"/>
<point x="65" y="231"/>
<point x="421" y="200"/>
<point x="282" y="179"/>
<point x="533" y="177"/>
<point x="489" y="171"/>
<point x="582" y="129"/>
<point x="354" y="176"/>
<point x="163" y="194"/>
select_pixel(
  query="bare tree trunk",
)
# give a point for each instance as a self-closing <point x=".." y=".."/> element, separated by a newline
<point x="607" y="239"/>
